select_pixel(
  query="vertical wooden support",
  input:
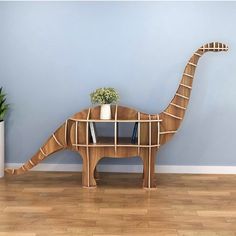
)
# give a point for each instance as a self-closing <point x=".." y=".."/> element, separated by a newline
<point x="149" y="151"/>
<point x="66" y="125"/>
<point x="158" y="132"/>
<point x="115" y="131"/>
<point x="87" y="148"/>
<point x="138" y="133"/>
<point x="76" y="135"/>
<point x="149" y="156"/>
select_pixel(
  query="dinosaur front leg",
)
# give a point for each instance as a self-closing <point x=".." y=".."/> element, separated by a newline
<point x="149" y="160"/>
<point x="89" y="167"/>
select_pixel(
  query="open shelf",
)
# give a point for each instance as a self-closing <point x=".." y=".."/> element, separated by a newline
<point x="125" y="132"/>
<point x="118" y="131"/>
<point x="125" y="141"/>
<point x="109" y="141"/>
<point x="103" y="141"/>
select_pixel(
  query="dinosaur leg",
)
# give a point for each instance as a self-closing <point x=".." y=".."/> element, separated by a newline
<point x="149" y="157"/>
<point x="86" y="168"/>
<point x="93" y="169"/>
<point x="55" y="143"/>
<point x="89" y="167"/>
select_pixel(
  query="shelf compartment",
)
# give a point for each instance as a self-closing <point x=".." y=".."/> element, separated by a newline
<point x="125" y="141"/>
<point x="101" y="140"/>
<point x="125" y="133"/>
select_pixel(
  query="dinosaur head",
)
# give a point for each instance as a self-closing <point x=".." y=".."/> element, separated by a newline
<point x="214" y="47"/>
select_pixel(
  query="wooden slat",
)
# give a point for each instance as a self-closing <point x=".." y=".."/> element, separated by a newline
<point x="66" y="125"/>
<point x="87" y="146"/>
<point x="175" y="105"/>
<point x="76" y="133"/>
<point x="176" y="117"/>
<point x="115" y="131"/>
<point x="182" y="96"/>
<point x="44" y="154"/>
<point x="188" y="75"/>
<point x="192" y="64"/>
<point x="112" y="121"/>
<point x="139" y="133"/>
<point x="56" y="140"/>
<point x="186" y="86"/>
<point x="149" y="152"/>
<point x="168" y="132"/>
<point x="158" y="132"/>
<point x="31" y="162"/>
<point x="112" y="145"/>
<point x="211" y="48"/>
<point x="197" y="54"/>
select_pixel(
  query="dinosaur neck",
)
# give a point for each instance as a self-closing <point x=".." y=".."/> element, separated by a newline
<point x="175" y="111"/>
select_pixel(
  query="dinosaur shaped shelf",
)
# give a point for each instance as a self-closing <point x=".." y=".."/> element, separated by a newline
<point x="153" y="131"/>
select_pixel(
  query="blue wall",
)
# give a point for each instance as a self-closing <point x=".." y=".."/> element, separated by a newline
<point x="53" y="54"/>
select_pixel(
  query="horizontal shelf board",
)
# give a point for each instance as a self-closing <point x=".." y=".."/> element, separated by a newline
<point x="113" y="121"/>
<point x="113" y="145"/>
<point x="110" y="142"/>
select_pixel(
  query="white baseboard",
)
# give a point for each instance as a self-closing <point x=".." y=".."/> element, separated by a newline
<point x="135" y="168"/>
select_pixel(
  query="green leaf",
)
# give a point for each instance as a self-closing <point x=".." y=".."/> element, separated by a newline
<point x="3" y="106"/>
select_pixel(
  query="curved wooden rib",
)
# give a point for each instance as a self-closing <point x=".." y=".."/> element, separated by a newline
<point x="173" y="115"/>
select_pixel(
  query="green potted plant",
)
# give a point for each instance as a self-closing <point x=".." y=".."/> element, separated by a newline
<point x="105" y="97"/>
<point x="3" y="110"/>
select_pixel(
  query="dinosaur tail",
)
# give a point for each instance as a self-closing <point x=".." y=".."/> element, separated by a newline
<point x="56" y="142"/>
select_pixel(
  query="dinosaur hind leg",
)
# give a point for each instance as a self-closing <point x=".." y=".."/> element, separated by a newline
<point x="54" y="144"/>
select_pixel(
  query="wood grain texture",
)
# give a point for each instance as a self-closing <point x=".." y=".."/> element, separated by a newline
<point x="153" y="131"/>
<point x="183" y="205"/>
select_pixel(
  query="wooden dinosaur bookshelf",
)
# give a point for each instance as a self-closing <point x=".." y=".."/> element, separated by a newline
<point x="152" y="132"/>
<point x="148" y="140"/>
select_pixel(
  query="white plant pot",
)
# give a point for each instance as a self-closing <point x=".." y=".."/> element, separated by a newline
<point x="105" y="112"/>
<point x="2" y="159"/>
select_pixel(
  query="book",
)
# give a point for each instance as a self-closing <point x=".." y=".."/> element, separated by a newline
<point x="134" y="135"/>
<point x="93" y="132"/>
